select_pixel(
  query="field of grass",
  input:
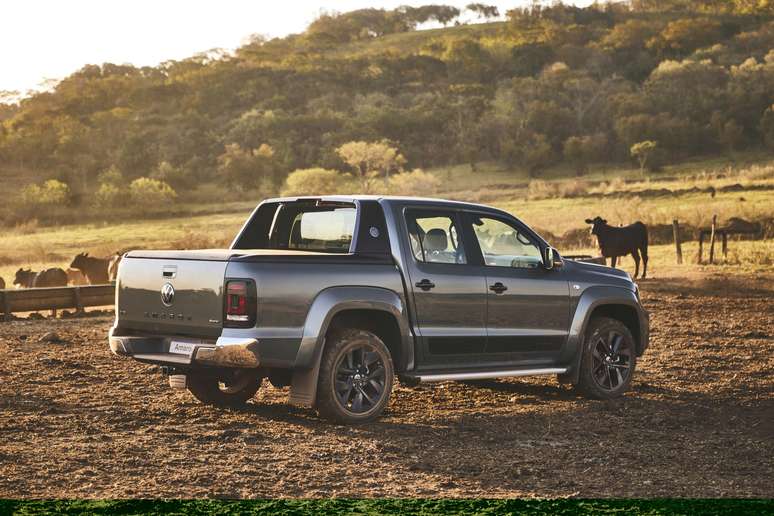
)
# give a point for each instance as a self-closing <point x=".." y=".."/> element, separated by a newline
<point x="553" y="206"/>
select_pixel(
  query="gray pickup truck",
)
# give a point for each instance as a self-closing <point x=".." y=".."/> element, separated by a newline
<point x="336" y="296"/>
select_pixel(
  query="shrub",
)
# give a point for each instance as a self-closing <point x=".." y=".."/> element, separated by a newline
<point x="151" y="193"/>
<point x="417" y="182"/>
<point x="111" y="176"/>
<point x="316" y="181"/>
<point x="107" y="195"/>
<point x="177" y="177"/>
<point x="51" y="193"/>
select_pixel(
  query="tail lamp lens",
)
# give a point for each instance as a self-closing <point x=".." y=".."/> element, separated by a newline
<point x="237" y="302"/>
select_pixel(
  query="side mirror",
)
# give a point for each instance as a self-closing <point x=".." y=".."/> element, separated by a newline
<point x="551" y="258"/>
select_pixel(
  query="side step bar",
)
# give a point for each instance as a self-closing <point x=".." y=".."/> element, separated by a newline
<point x="483" y="375"/>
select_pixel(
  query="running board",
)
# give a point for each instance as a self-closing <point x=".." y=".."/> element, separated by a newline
<point x="484" y="375"/>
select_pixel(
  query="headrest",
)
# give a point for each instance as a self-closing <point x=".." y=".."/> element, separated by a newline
<point x="435" y="240"/>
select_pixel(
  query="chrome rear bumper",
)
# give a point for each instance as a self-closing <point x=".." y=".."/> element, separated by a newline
<point x="225" y="352"/>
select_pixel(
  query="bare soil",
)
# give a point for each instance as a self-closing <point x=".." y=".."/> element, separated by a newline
<point x="76" y="421"/>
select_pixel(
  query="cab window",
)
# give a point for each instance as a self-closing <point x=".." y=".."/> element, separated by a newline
<point x="435" y="237"/>
<point x="504" y="245"/>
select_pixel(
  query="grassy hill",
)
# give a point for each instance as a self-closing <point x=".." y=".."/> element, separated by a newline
<point x="551" y="90"/>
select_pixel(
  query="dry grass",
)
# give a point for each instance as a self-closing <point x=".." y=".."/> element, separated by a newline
<point x="555" y="206"/>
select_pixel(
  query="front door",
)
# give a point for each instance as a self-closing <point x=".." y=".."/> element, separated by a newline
<point x="449" y="292"/>
<point x="528" y="307"/>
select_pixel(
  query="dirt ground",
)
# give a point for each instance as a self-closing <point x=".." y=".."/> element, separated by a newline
<point x="76" y="421"/>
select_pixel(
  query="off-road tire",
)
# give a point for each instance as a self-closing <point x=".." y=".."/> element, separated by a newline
<point x="338" y="345"/>
<point x="206" y="387"/>
<point x="600" y="381"/>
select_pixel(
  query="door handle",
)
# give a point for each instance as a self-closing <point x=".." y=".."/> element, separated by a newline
<point x="425" y="284"/>
<point x="498" y="288"/>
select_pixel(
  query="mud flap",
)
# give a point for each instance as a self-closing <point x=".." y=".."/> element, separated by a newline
<point x="303" y="387"/>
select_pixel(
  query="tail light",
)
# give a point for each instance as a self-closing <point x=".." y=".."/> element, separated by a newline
<point x="241" y="303"/>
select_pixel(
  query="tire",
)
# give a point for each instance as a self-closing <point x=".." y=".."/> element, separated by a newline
<point x="609" y="359"/>
<point x="229" y="388"/>
<point x="356" y="376"/>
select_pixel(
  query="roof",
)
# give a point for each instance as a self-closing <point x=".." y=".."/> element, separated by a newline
<point x="388" y="198"/>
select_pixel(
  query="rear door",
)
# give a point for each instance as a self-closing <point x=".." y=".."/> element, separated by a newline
<point x="172" y="296"/>
<point x="449" y="291"/>
<point x="528" y="307"/>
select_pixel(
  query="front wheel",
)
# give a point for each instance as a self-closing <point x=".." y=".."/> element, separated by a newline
<point x="609" y="359"/>
<point x="356" y="375"/>
<point x="228" y="388"/>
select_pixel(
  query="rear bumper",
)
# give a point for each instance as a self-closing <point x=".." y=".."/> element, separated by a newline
<point x="225" y="352"/>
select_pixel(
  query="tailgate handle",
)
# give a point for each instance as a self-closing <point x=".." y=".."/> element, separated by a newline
<point x="169" y="271"/>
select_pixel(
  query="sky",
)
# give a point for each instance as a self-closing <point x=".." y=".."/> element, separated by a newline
<point x="50" y="39"/>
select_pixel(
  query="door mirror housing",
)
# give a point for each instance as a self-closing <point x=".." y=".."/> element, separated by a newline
<point x="551" y="258"/>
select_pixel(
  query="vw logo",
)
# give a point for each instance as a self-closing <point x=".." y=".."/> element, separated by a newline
<point x="167" y="294"/>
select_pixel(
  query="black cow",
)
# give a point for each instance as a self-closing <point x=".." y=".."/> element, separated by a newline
<point x="24" y="278"/>
<point x="615" y="242"/>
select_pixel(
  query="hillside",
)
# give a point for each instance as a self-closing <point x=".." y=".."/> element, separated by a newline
<point x="550" y="88"/>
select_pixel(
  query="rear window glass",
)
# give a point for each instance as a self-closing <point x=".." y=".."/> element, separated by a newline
<point x="329" y="230"/>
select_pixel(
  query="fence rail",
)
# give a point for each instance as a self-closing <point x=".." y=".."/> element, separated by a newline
<point x="53" y="298"/>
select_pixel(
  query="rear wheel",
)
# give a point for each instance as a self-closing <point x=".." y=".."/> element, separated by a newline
<point x="609" y="359"/>
<point x="356" y="375"/>
<point x="228" y="388"/>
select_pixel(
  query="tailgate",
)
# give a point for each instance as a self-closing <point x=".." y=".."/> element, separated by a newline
<point x="178" y="295"/>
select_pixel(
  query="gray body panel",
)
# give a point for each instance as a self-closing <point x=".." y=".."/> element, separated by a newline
<point x="536" y="325"/>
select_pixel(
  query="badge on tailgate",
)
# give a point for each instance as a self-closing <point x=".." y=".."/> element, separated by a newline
<point x="183" y="347"/>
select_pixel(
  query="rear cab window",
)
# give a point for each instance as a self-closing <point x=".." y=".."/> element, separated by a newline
<point x="434" y="236"/>
<point x="314" y="226"/>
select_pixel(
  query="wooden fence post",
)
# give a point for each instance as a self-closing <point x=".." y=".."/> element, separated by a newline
<point x="678" y="247"/>
<point x="724" y="235"/>
<point x="712" y="239"/>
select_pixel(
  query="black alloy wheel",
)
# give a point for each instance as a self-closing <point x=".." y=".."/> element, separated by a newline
<point x="360" y="379"/>
<point x="356" y="376"/>
<point x="611" y="360"/>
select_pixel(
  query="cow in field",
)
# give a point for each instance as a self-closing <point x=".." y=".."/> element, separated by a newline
<point x="76" y="278"/>
<point x="24" y="278"/>
<point x="615" y="242"/>
<point x="115" y="261"/>
<point x="27" y="278"/>
<point x="95" y="269"/>
<point x="54" y="277"/>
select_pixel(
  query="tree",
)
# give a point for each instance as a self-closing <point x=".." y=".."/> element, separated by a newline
<point x="767" y="127"/>
<point x="370" y="160"/>
<point x="686" y="35"/>
<point x="316" y="181"/>
<point x="483" y="10"/>
<point x="245" y="168"/>
<point x="415" y="183"/>
<point x="151" y="193"/>
<point x="50" y="193"/>
<point x="583" y="150"/>
<point x="177" y="177"/>
<point x="642" y="151"/>
<point x="443" y="14"/>
<point x="111" y="176"/>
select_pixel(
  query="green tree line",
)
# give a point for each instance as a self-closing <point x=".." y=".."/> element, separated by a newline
<point x="648" y="82"/>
